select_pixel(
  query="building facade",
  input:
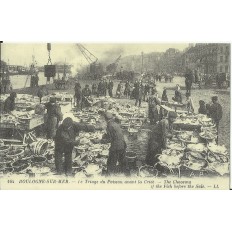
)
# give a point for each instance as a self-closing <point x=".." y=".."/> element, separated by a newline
<point x="208" y="58"/>
<point x="223" y="58"/>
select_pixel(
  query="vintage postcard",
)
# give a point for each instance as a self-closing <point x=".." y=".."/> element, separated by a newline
<point x="152" y="116"/>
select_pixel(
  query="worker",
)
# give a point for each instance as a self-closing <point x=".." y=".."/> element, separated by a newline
<point x="100" y="88"/>
<point x="86" y="93"/>
<point x="117" y="149"/>
<point x="119" y="90"/>
<point x="202" y="109"/>
<point x="54" y="116"/>
<point x="105" y="87"/>
<point x="146" y="91"/>
<point x="94" y="89"/>
<point x="189" y="103"/>
<point x="110" y="88"/>
<point x="127" y="89"/>
<point x="78" y="95"/>
<point x="153" y="102"/>
<point x="158" y="138"/>
<point x="215" y="112"/>
<point x="164" y="95"/>
<point x="9" y="104"/>
<point x="36" y="80"/>
<point x="65" y="140"/>
<point x="32" y="84"/>
<point x="139" y="94"/>
<point x="178" y="96"/>
<point x="42" y="92"/>
<point x="188" y="80"/>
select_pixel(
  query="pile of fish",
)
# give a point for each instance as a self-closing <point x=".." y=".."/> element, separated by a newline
<point x="26" y="102"/>
<point x="90" y="156"/>
<point x="25" y="105"/>
<point x="195" y="156"/>
<point x="195" y="119"/>
<point x="8" y="119"/>
<point x="21" y="159"/>
<point x="194" y="150"/>
<point x="17" y="118"/>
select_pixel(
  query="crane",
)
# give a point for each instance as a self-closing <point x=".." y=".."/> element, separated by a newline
<point x="96" y="69"/>
<point x="112" y="67"/>
<point x="87" y="54"/>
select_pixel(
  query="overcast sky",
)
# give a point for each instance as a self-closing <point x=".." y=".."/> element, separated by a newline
<point x="21" y="54"/>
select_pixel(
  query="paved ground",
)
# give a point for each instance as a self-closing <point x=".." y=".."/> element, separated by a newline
<point x="197" y="94"/>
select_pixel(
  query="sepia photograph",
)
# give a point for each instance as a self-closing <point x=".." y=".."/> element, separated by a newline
<point x="106" y="116"/>
<point x="115" y="115"/>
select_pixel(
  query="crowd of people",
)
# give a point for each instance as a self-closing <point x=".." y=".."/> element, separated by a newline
<point x="64" y="131"/>
<point x="205" y="79"/>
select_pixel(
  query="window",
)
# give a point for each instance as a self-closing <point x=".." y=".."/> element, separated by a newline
<point x="221" y="58"/>
<point x="226" y="60"/>
<point x="226" y="69"/>
<point x="220" y="68"/>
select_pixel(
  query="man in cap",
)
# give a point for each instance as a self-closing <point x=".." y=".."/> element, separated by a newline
<point x="9" y="104"/>
<point x="110" y="88"/>
<point x="65" y="140"/>
<point x="215" y="112"/>
<point x="54" y="116"/>
<point x="86" y="93"/>
<point x="118" y="145"/>
<point x="78" y="95"/>
<point x="158" y="138"/>
<point x="153" y="102"/>
<point x="139" y="94"/>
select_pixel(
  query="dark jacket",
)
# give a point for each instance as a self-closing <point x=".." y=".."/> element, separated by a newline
<point x="54" y="110"/>
<point x="139" y="92"/>
<point x="153" y="102"/>
<point x="178" y="96"/>
<point x="65" y="138"/>
<point x="111" y="85"/>
<point x="115" y="136"/>
<point x="100" y="87"/>
<point x="9" y="104"/>
<point x="202" y="110"/>
<point x="158" y="136"/>
<point x="78" y="92"/>
<point x="215" y="112"/>
<point x="42" y="92"/>
<point x="164" y="96"/>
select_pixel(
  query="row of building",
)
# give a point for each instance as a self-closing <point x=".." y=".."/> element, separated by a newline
<point x="206" y="58"/>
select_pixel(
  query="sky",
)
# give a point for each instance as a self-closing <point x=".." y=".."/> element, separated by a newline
<point x="21" y="53"/>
